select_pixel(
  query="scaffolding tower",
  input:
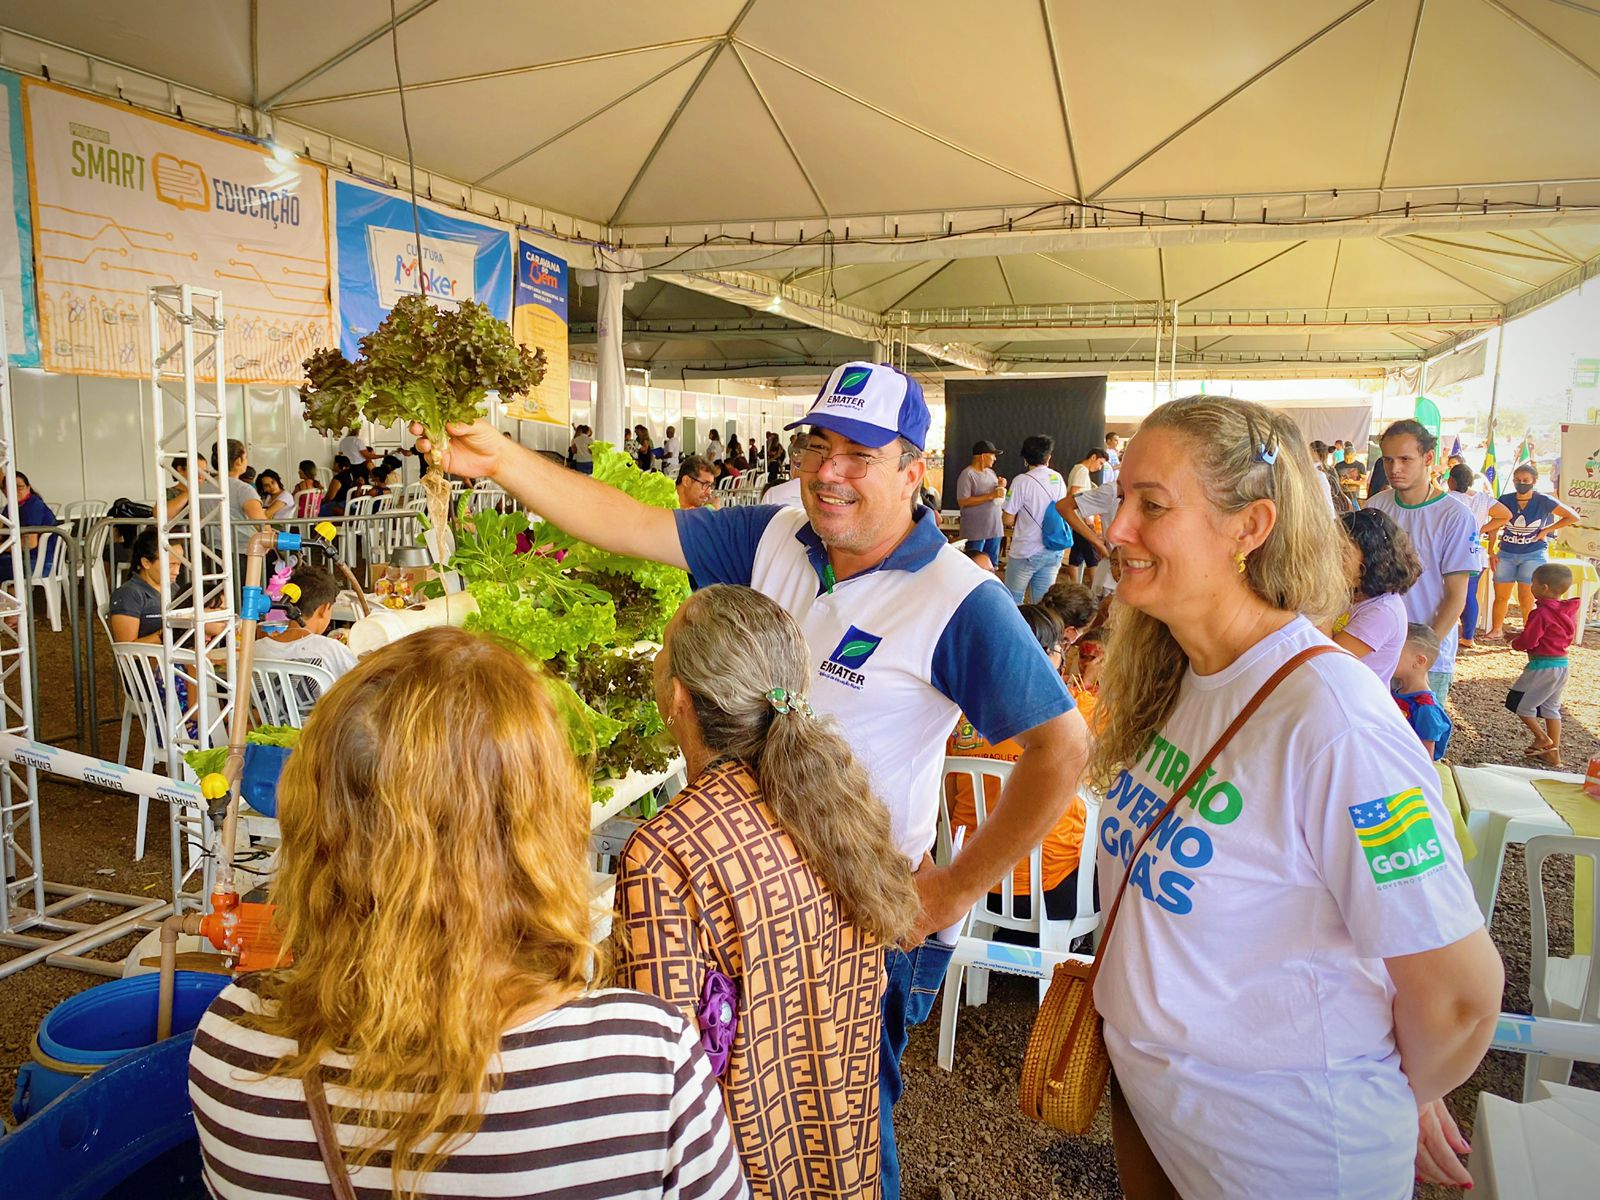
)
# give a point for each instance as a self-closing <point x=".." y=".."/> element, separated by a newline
<point x="199" y="653"/>
<point x="35" y="915"/>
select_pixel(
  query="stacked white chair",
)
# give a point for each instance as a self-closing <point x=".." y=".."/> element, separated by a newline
<point x="1565" y="988"/>
<point x="49" y="573"/>
<point x="283" y="692"/>
<point x="1054" y="937"/>
<point x="139" y="669"/>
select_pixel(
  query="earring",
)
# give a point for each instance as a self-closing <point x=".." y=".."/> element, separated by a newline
<point x="1239" y="561"/>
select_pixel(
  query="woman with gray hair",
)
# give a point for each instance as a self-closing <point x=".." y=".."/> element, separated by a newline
<point x="761" y="899"/>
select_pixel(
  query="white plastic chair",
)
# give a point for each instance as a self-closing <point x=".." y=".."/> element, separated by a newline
<point x="308" y="504"/>
<point x="283" y="692"/>
<point x="1054" y="937"/>
<point x="1566" y="988"/>
<point x="78" y="515"/>
<point x="102" y="609"/>
<point x="49" y="572"/>
<point x="139" y="668"/>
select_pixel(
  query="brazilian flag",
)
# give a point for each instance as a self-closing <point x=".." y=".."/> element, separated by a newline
<point x="1488" y="462"/>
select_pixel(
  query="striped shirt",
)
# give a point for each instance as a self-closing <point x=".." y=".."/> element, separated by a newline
<point x="607" y="1096"/>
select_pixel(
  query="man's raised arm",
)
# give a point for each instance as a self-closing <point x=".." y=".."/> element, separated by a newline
<point x="575" y="503"/>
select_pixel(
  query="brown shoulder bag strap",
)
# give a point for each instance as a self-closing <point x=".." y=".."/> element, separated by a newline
<point x="327" y="1136"/>
<point x="1195" y="773"/>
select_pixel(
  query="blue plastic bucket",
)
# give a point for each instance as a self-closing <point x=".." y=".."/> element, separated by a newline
<point x="94" y="1028"/>
<point x="259" y="782"/>
<point x="125" y="1132"/>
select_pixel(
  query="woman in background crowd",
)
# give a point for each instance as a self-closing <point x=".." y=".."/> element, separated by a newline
<point x="457" y="1035"/>
<point x="1525" y="520"/>
<point x="1459" y="483"/>
<point x="1274" y="895"/>
<point x="760" y="901"/>
<point x="31" y="510"/>
<point x="275" y="502"/>
<point x="134" y="611"/>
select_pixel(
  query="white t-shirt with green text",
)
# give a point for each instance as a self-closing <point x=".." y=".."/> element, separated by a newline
<point x="1248" y="1011"/>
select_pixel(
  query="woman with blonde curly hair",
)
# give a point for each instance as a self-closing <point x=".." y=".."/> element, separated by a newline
<point x="434" y="890"/>
<point x="760" y="900"/>
<point x="1297" y="972"/>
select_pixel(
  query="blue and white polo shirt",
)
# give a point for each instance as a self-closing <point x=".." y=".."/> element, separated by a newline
<point x="900" y="651"/>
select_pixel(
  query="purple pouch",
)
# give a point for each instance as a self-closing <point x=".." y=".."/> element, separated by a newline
<point x="717" y="1014"/>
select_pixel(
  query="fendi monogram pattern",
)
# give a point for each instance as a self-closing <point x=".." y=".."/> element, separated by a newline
<point x="713" y="882"/>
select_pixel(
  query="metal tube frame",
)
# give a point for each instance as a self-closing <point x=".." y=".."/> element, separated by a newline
<point x="186" y="343"/>
<point x="28" y="921"/>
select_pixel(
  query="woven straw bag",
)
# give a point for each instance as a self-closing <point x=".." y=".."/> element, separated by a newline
<point x="1065" y="1070"/>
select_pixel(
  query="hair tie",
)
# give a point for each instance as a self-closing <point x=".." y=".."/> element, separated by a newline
<point x="784" y="702"/>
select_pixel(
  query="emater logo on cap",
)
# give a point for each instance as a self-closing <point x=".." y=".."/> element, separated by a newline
<point x="848" y="393"/>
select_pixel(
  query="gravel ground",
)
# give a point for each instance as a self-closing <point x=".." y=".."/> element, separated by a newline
<point x="961" y="1134"/>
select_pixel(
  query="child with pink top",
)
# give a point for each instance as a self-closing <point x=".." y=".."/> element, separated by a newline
<point x="1545" y="637"/>
<point x="1383" y="566"/>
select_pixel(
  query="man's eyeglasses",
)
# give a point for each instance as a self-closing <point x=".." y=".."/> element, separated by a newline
<point x="708" y="484"/>
<point x="849" y="464"/>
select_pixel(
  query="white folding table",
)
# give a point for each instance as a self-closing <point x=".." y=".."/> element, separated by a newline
<point x="1502" y="807"/>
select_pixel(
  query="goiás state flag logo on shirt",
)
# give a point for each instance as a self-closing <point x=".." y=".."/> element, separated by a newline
<point x="850" y="656"/>
<point x="1398" y="837"/>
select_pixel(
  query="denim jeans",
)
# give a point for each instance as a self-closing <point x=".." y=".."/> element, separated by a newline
<point x="1033" y="575"/>
<point x="1439" y="684"/>
<point x="1469" y="614"/>
<point x="990" y="547"/>
<point x="914" y="980"/>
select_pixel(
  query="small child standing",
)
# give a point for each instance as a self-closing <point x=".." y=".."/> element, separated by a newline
<point x="1411" y="692"/>
<point x="1545" y="637"/>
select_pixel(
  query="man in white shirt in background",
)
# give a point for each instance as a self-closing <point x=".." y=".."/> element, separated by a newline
<point x="1444" y="534"/>
<point x="354" y="447"/>
<point x="1113" y="458"/>
<point x="1030" y="568"/>
<point x="1080" y="480"/>
<point x="671" y="451"/>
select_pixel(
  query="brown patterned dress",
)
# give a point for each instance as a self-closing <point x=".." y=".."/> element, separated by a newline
<point x="712" y="881"/>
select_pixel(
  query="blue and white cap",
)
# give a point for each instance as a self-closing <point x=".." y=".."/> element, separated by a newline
<point x="870" y="404"/>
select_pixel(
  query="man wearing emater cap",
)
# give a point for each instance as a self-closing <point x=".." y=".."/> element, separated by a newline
<point x="906" y="634"/>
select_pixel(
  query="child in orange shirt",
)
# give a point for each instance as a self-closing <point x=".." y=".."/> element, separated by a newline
<point x="1063" y="845"/>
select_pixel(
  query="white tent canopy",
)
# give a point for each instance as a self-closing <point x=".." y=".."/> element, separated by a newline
<point x="1325" y="185"/>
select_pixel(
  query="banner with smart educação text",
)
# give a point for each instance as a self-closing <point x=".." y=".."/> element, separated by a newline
<point x="1580" y="487"/>
<point x="16" y="232"/>
<point x="123" y="200"/>
<point x="539" y="322"/>
<point x="375" y="244"/>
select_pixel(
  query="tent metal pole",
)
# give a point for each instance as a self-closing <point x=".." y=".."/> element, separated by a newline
<point x="1155" y="375"/>
<point x="1494" y="387"/>
<point x="1172" y="370"/>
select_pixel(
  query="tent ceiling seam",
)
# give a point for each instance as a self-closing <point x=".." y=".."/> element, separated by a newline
<point x="1400" y="100"/>
<point x="1333" y="275"/>
<point x="683" y="104"/>
<point x="1529" y="27"/>
<point x="1537" y="256"/>
<point x="1061" y="94"/>
<point x="1011" y="296"/>
<point x="1396" y="244"/>
<point x="908" y="124"/>
<point x="1234" y="278"/>
<point x="879" y="282"/>
<point x="348" y="52"/>
<point x="899" y="300"/>
<point x="1085" y="275"/>
<point x="700" y="43"/>
<point x="782" y="133"/>
<point x="1554" y="247"/>
<point x="1524" y="284"/>
<point x="599" y="112"/>
<point x="1254" y="79"/>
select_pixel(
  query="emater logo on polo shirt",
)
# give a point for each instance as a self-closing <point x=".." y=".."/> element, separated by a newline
<point x="845" y="663"/>
<point x="848" y="393"/>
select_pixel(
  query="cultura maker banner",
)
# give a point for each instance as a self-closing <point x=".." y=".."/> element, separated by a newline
<point x="540" y="323"/>
<point x="375" y="234"/>
<point x="123" y="200"/>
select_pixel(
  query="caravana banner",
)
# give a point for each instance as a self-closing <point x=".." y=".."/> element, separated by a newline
<point x="375" y="240"/>
<point x="123" y="200"/>
<point x="540" y="323"/>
